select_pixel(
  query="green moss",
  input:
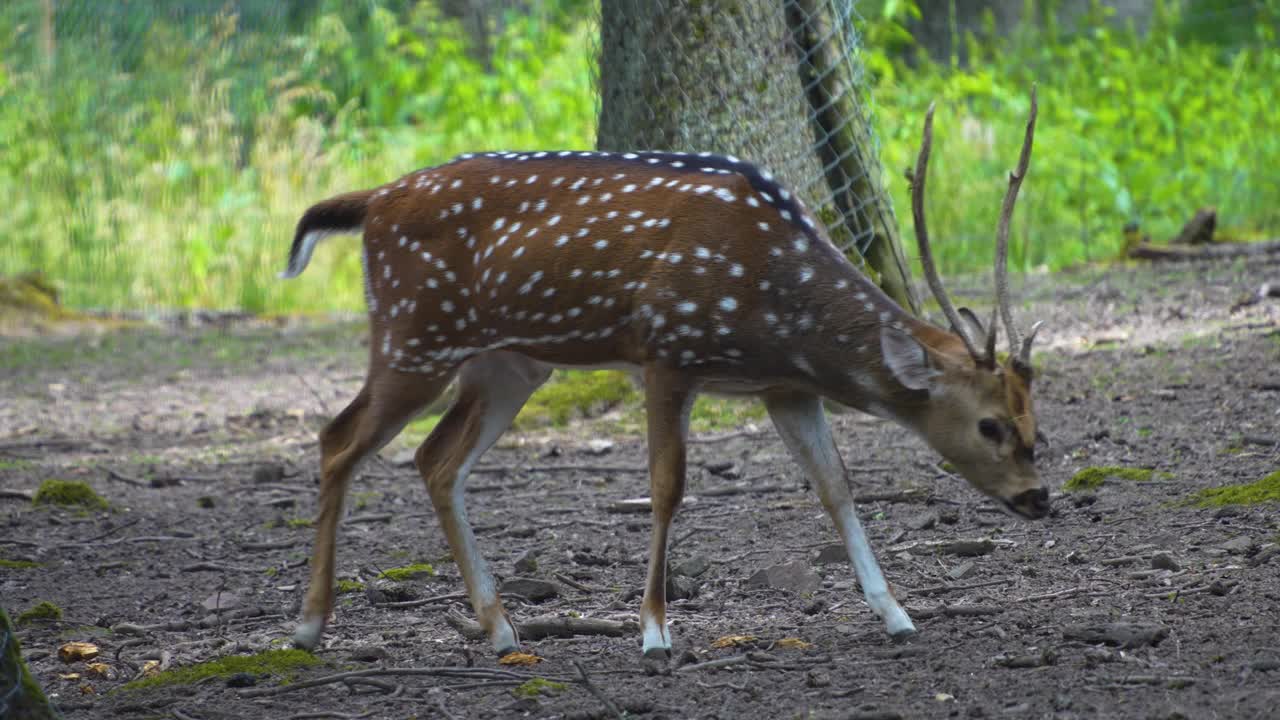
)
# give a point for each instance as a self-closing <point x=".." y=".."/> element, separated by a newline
<point x="68" y="493"/>
<point x="575" y="394"/>
<point x="283" y="664"/>
<point x="43" y="610"/>
<point x="18" y="564"/>
<point x="538" y="686"/>
<point x="30" y="701"/>
<point x="349" y="586"/>
<point x="1091" y="478"/>
<point x="409" y="572"/>
<point x="300" y="522"/>
<point x="1260" y="491"/>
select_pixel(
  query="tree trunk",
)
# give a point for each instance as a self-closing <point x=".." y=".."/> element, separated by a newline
<point x="725" y="77"/>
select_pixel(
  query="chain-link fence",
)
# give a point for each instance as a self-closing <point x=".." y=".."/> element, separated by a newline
<point x="779" y="83"/>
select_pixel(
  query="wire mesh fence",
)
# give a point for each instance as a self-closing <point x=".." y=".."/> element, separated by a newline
<point x="777" y="83"/>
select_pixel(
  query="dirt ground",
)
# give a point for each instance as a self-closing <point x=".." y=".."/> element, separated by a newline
<point x="203" y="442"/>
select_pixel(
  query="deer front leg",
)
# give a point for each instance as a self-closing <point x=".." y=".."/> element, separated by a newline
<point x="803" y="427"/>
<point x="667" y="402"/>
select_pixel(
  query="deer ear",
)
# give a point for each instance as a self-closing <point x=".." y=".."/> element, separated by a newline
<point x="906" y="359"/>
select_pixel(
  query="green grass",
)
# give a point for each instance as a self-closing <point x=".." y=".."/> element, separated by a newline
<point x="18" y="564"/>
<point x="1092" y="478"/>
<point x="1265" y="490"/>
<point x="68" y="493"/>
<point x="574" y="394"/>
<point x="281" y="664"/>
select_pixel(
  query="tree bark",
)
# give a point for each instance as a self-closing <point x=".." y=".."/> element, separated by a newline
<point x="724" y="77"/>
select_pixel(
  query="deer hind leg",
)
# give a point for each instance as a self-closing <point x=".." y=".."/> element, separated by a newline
<point x="491" y="390"/>
<point x="803" y="427"/>
<point x="362" y="428"/>
<point x="667" y="403"/>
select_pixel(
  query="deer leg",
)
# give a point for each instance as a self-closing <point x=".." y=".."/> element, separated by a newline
<point x="361" y="429"/>
<point x="667" y="403"/>
<point x="491" y="390"/>
<point x="803" y="427"/>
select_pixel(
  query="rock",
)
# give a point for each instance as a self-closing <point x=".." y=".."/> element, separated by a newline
<point x="680" y="587"/>
<point x="961" y="571"/>
<point x="531" y="588"/>
<point x="382" y="590"/>
<point x="268" y="473"/>
<point x="1121" y="634"/>
<point x="368" y="653"/>
<point x="968" y="548"/>
<point x="221" y="601"/>
<point x="522" y="531"/>
<point x="726" y="469"/>
<point x="923" y="521"/>
<point x="242" y="680"/>
<point x="1242" y="545"/>
<point x="817" y="679"/>
<point x="814" y="607"/>
<point x="833" y="554"/>
<point x="1084" y="499"/>
<point x="796" y="576"/>
<point x="1265" y="665"/>
<point x="1164" y="561"/>
<point x="598" y="446"/>
<point x="692" y="566"/>
<point x="527" y="564"/>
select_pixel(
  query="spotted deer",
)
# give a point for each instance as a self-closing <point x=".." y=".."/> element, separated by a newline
<point x="699" y="273"/>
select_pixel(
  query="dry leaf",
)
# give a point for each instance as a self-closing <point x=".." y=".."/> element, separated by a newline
<point x="150" y="668"/>
<point x="794" y="642"/>
<point x="87" y="689"/>
<point x="100" y="669"/>
<point x="519" y="658"/>
<point x="69" y="676"/>
<point x="75" y="651"/>
<point x="733" y="641"/>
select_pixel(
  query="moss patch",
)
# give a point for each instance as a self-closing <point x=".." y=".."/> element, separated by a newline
<point x="349" y="586"/>
<point x="1091" y="478"/>
<point x="19" y="564"/>
<point x="538" y="686"/>
<point x="575" y="394"/>
<point x="409" y="572"/>
<point x="1265" y="490"/>
<point x="282" y="664"/>
<point x="43" y="610"/>
<point x="68" y="493"/>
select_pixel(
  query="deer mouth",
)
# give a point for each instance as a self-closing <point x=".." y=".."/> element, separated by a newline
<point x="1030" y="504"/>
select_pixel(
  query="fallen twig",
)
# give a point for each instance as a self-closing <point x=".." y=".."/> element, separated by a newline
<point x="713" y="664"/>
<point x="434" y="600"/>
<point x="609" y="706"/>
<point x="905" y="495"/>
<point x="560" y="468"/>
<point x="956" y="611"/>
<point x="943" y="589"/>
<point x="7" y="494"/>
<point x="548" y="626"/>
<point x="448" y="672"/>
<point x="330" y="714"/>
<point x="127" y="480"/>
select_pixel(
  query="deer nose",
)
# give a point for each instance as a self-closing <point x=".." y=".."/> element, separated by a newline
<point x="1033" y="503"/>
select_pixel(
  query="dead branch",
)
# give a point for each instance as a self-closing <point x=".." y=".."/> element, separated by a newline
<point x="609" y="706"/>
<point x="943" y="589"/>
<point x="1177" y="253"/>
<point x="575" y="584"/>
<point x="548" y="626"/>
<point x="127" y="480"/>
<point x="448" y="672"/>
<point x="276" y="545"/>
<point x="561" y="468"/>
<point x="956" y="611"/>
<point x="714" y="664"/>
<point x="330" y="714"/>
<point x="905" y="495"/>
<point x="7" y="494"/>
<point x="744" y="489"/>
<point x="434" y="600"/>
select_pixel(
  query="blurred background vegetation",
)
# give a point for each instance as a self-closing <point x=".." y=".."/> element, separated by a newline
<point x="157" y="153"/>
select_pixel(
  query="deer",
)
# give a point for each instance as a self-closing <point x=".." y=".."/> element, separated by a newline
<point x="699" y="273"/>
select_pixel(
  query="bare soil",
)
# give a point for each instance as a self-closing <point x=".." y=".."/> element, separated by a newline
<point x="203" y="442"/>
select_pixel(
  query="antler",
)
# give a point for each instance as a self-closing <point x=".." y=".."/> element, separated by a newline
<point x="922" y="240"/>
<point x="1020" y="355"/>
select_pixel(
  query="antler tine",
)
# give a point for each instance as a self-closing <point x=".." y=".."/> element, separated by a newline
<point x="1024" y="355"/>
<point x="1002" y="231"/>
<point x="922" y="237"/>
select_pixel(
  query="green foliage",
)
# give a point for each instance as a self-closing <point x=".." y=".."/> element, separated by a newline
<point x="43" y="610"/>
<point x="68" y="493"/>
<point x="168" y="157"/>
<point x="283" y="664"/>
<point x="1091" y="478"/>
<point x="18" y="564"/>
<point x="575" y="394"/>
<point x="408" y="572"/>
<point x="1132" y="127"/>
<point x="713" y="413"/>
<point x="1265" y="490"/>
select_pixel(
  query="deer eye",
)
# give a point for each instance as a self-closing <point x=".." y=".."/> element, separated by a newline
<point x="990" y="430"/>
